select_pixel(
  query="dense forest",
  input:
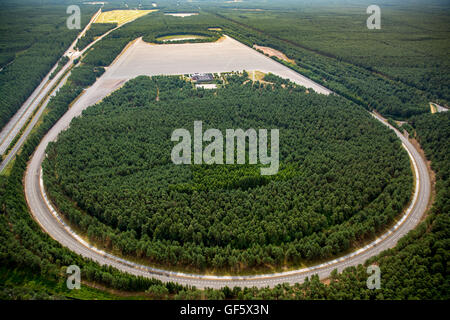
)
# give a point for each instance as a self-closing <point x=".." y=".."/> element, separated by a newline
<point x="371" y="90"/>
<point x="410" y="47"/>
<point x="30" y="47"/>
<point x="25" y="251"/>
<point x="417" y="268"/>
<point x="33" y="265"/>
<point x="343" y="177"/>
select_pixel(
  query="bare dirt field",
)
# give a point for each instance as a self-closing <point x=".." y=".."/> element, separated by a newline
<point x="274" y="53"/>
<point x="437" y="108"/>
<point x="227" y="55"/>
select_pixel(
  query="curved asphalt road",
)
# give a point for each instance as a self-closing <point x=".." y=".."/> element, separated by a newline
<point x="52" y="223"/>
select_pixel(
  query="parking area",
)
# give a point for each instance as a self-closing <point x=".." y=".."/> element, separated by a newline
<point x="226" y="55"/>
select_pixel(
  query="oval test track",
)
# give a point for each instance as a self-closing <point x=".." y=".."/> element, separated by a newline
<point x="52" y="223"/>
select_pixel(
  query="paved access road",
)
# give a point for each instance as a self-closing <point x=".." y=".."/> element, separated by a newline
<point x="15" y="124"/>
<point x="52" y="223"/>
<point x="40" y="97"/>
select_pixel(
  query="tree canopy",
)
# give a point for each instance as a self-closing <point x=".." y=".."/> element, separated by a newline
<point x="343" y="176"/>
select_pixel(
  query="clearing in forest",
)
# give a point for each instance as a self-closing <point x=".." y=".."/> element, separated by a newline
<point x="121" y="16"/>
<point x="180" y="37"/>
<point x="182" y="15"/>
<point x="433" y="108"/>
<point x="256" y="75"/>
<point x="227" y="55"/>
<point x="274" y="53"/>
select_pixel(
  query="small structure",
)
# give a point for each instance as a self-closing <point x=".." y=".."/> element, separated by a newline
<point x="202" y="77"/>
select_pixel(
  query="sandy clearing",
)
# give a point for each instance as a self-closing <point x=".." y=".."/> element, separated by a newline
<point x="228" y="55"/>
<point x="206" y="85"/>
<point x="274" y="53"/>
<point x="433" y="108"/>
<point x="181" y="15"/>
<point x="437" y="108"/>
<point x="180" y="37"/>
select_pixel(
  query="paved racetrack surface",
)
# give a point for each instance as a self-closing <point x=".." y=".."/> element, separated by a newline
<point x="224" y="55"/>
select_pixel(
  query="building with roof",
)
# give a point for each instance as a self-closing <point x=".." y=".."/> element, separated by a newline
<point x="202" y="77"/>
